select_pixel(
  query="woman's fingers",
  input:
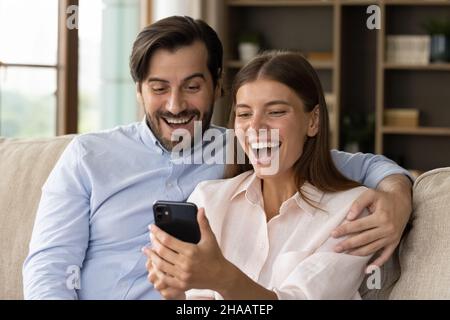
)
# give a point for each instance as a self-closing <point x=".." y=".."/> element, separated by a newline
<point x="161" y="264"/>
<point x="164" y="252"/>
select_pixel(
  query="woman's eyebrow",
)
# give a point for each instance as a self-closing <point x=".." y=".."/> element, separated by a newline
<point x="241" y="105"/>
<point x="275" y="102"/>
<point x="267" y="104"/>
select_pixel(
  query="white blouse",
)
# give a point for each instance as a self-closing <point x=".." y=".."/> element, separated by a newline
<point x="292" y="254"/>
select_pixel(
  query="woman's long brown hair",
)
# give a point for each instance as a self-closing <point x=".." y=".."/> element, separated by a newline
<point x="291" y="69"/>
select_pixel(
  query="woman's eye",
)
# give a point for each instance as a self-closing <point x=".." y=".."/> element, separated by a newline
<point x="243" y="115"/>
<point x="277" y="113"/>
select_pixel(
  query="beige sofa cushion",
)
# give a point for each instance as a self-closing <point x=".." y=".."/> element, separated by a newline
<point x="425" y="250"/>
<point x="24" y="167"/>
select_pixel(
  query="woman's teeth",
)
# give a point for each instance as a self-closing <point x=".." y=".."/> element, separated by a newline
<point x="264" y="150"/>
<point x="264" y="145"/>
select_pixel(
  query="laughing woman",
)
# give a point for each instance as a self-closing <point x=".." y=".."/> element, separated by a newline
<point x="265" y="234"/>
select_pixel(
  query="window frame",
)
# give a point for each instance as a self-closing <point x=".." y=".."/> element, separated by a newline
<point x="67" y="78"/>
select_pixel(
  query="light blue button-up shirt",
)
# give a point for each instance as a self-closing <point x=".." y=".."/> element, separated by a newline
<point x="96" y="206"/>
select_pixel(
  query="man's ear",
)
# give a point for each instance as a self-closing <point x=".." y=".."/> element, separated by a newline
<point x="314" y="120"/>
<point x="139" y="94"/>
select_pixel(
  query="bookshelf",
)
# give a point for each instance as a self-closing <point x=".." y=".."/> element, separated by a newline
<point x="422" y="87"/>
<point x="357" y="75"/>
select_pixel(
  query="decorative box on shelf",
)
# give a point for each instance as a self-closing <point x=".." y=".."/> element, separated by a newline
<point x="401" y="117"/>
<point x="408" y="49"/>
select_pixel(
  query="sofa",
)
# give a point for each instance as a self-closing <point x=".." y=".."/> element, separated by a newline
<point x="420" y="268"/>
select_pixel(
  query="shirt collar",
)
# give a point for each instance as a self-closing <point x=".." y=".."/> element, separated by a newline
<point x="314" y="196"/>
<point x="149" y="139"/>
<point x="252" y="188"/>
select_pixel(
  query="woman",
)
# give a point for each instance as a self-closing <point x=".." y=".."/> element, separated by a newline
<point x="265" y="232"/>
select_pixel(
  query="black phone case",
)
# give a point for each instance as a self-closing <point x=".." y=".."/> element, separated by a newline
<point x="178" y="219"/>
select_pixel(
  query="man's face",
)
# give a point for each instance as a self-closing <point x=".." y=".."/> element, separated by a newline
<point x="177" y="91"/>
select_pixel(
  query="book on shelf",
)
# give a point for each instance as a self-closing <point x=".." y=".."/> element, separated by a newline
<point x="401" y="117"/>
<point x="408" y="49"/>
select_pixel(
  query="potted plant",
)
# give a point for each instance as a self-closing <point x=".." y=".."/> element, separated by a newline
<point x="248" y="45"/>
<point x="439" y="31"/>
<point x="358" y="132"/>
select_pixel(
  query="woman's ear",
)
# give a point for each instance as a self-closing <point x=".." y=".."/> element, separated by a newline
<point x="218" y="91"/>
<point x="314" y="120"/>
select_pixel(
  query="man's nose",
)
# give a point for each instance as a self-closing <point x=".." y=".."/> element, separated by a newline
<point x="176" y="103"/>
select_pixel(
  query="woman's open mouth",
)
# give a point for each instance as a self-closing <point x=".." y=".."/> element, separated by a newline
<point x="264" y="152"/>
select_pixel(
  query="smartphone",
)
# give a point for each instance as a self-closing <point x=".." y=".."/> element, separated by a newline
<point x="178" y="219"/>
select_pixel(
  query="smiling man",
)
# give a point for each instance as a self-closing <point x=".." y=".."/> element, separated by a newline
<point x="97" y="202"/>
<point x="177" y="91"/>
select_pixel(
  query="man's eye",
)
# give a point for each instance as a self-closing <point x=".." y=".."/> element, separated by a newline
<point x="243" y="115"/>
<point x="193" y="88"/>
<point x="158" y="89"/>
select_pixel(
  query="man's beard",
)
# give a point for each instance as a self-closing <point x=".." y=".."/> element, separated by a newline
<point x="153" y="123"/>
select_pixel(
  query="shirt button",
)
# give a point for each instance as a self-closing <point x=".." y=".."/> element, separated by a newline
<point x="169" y="185"/>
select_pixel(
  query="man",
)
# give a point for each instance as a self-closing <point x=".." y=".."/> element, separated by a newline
<point x="97" y="202"/>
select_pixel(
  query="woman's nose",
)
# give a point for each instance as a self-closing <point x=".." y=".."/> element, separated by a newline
<point x="258" y="122"/>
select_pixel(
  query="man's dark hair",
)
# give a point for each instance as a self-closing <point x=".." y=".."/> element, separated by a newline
<point x="172" y="33"/>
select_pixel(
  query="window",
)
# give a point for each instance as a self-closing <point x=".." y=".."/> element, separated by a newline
<point x="107" y="30"/>
<point x="56" y="80"/>
<point x="28" y="67"/>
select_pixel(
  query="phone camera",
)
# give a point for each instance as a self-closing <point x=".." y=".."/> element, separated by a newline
<point x="159" y="213"/>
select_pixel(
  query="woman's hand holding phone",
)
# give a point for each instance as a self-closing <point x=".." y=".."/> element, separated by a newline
<point x="181" y="266"/>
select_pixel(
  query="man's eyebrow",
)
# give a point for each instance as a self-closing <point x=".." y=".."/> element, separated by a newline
<point x="151" y="79"/>
<point x="195" y="75"/>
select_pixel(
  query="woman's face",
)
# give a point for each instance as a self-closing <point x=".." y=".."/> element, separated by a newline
<point x="263" y="105"/>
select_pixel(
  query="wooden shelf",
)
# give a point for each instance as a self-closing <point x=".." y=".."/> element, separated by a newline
<point x="318" y="65"/>
<point x="427" y="131"/>
<point x="417" y="2"/>
<point x="358" y="2"/>
<point x="278" y="3"/>
<point x="426" y="67"/>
